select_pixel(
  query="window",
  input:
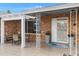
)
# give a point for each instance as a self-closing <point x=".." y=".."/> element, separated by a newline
<point x="30" y="26"/>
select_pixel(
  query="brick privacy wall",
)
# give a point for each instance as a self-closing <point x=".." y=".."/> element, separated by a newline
<point x="12" y="27"/>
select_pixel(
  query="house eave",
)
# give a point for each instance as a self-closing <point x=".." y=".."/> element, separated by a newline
<point x="53" y="8"/>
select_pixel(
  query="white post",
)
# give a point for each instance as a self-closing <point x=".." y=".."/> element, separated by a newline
<point x="38" y="38"/>
<point x="70" y="34"/>
<point x="73" y="17"/>
<point x="76" y="32"/>
<point x="2" y="32"/>
<point x="23" y="32"/>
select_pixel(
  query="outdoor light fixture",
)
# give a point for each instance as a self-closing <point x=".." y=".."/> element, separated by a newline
<point x="74" y="24"/>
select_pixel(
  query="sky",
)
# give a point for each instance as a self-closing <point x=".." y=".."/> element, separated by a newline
<point x="17" y="7"/>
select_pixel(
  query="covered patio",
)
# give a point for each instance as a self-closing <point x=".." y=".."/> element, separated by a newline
<point x="13" y="27"/>
<point x="67" y="12"/>
<point x="54" y="28"/>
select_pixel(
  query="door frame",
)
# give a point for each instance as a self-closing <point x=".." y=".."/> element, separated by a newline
<point x="67" y="29"/>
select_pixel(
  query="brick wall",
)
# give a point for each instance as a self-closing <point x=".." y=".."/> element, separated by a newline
<point x="12" y="27"/>
<point x="46" y="24"/>
<point x="78" y="29"/>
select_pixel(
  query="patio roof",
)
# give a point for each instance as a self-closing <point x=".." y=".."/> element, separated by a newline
<point x="49" y="10"/>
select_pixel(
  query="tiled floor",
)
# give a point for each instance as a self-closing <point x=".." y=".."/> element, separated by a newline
<point x="30" y="50"/>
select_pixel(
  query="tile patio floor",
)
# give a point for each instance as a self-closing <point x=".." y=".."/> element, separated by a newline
<point x="31" y="50"/>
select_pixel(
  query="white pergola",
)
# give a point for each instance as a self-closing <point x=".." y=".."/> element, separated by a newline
<point x="21" y="17"/>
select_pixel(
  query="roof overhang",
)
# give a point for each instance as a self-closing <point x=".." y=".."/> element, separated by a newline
<point x="52" y="8"/>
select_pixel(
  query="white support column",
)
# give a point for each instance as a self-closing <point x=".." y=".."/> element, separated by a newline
<point x="70" y="34"/>
<point x="73" y="24"/>
<point x="23" y="32"/>
<point x="76" y="31"/>
<point x="2" y="32"/>
<point x="38" y="38"/>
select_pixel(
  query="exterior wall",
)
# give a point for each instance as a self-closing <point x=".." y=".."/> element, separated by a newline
<point x="78" y="29"/>
<point x="12" y="27"/>
<point x="46" y="24"/>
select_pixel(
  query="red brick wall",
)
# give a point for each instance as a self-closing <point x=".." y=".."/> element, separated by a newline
<point x="78" y="29"/>
<point x="12" y="27"/>
<point x="46" y="23"/>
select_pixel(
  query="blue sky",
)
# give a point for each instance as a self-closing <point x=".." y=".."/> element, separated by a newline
<point x="16" y="7"/>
